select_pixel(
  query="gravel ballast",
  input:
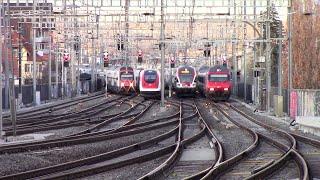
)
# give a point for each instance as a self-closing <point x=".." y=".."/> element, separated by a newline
<point x="42" y="158"/>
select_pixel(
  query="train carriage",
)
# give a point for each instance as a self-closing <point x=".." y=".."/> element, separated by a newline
<point x="185" y="81"/>
<point x="150" y="82"/>
<point x="215" y="82"/>
<point x="121" y="80"/>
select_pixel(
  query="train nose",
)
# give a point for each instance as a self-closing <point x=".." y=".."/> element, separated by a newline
<point x="187" y="84"/>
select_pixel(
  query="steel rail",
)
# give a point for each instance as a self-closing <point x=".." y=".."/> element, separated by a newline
<point x="72" y="115"/>
<point x="93" y="159"/>
<point x="83" y="140"/>
<point x="60" y="141"/>
<point x="61" y="105"/>
<point x="217" y="144"/>
<point x="100" y="125"/>
<point x="225" y="165"/>
<point x="303" y="167"/>
<point x="164" y="166"/>
<point x="139" y="159"/>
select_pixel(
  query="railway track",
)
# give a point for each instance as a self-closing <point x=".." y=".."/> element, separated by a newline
<point x="67" y="120"/>
<point x="177" y="152"/>
<point x="47" y="110"/>
<point x="78" y="138"/>
<point x="183" y="161"/>
<point x="197" y="156"/>
<point x="237" y="165"/>
<point x="128" y="130"/>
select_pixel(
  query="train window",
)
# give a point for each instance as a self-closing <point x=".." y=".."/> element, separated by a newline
<point x="186" y="75"/>
<point x="218" y="77"/>
<point x="126" y="76"/>
<point x="150" y="76"/>
<point x="186" y="78"/>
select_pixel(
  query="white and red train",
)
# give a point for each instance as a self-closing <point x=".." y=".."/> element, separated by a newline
<point x="215" y="82"/>
<point x="150" y="82"/>
<point x="121" y="80"/>
<point x="185" y="81"/>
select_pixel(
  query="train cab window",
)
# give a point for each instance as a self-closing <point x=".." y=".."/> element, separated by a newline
<point x="186" y="75"/>
<point x="150" y="76"/>
<point x="126" y="76"/>
<point x="218" y="77"/>
<point x="186" y="78"/>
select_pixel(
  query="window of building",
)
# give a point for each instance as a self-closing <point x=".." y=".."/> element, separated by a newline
<point x="27" y="68"/>
<point x="15" y="53"/>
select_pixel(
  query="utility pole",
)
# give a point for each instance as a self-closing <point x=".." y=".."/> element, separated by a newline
<point x="245" y="51"/>
<point x="234" y="54"/>
<point x="268" y="59"/>
<point x="6" y="60"/>
<point x="50" y="73"/>
<point x="162" y="52"/>
<point x="20" y="65"/>
<point x="280" y="66"/>
<point x="1" y="127"/>
<point x="127" y="31"/>
<point x="57" y="58"/>
<point x="290" y="53"/>
<point x="255" y="79"/>
<point x="34" y="54"/>
<point x="13" y="106"/>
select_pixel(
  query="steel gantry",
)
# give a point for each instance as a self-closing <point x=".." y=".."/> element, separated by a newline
<point x="229" y="26"/>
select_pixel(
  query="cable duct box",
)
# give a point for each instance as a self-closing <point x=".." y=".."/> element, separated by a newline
<point x="278" y="105"/>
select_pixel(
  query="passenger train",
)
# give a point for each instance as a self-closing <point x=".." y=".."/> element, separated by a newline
<point x="121" y="80"/>
<point x="214" y="82"/>
<point x="185" y="81"/>
<point x="150" y="82"/>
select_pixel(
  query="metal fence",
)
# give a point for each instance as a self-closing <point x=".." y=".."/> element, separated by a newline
<point x="57" y="92"/>
<point x="240" y="94"/>
<point x="307" y="100"/>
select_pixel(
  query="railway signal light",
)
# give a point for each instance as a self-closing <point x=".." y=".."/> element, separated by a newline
<point x="120" y="46"/>
<point x="172" y="62"/>
<point x="120" y="43"/>
<point x="224" y="63"/>
<point x="106" y="59"/>
<point x="162" y="44"/>
<point x="66" y="59"/>
<point x="206" y="53"/>
<point x="140" y="56"/>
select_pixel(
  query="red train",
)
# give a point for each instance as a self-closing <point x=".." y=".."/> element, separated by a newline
<point x="215" y="82"/>
<point x="121" y="80"/>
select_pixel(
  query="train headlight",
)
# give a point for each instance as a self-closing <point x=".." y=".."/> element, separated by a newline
<point x="193" y="84"/>
<point x="226" y="89"/>
<point x="211" y="89"/>
<point x="178" y="84"/>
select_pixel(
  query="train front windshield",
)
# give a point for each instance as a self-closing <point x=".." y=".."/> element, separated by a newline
<point x="150" y="76"/>
<point x="186" y="75"/>
<point x="126" y="76"/>
<point x="218" y="77"/>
